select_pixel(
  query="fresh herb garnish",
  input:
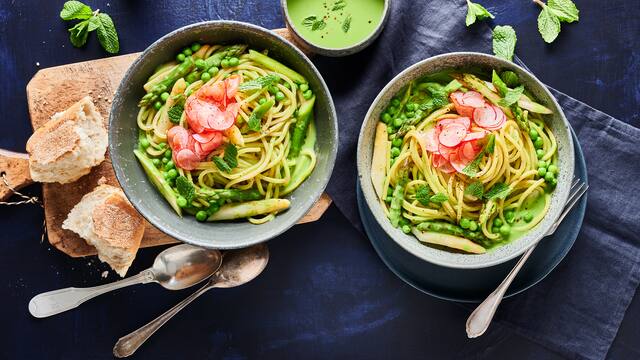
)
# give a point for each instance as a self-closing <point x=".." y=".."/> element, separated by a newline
<point x="309" y="20"/>
<point x="91" y="21"/>
<point x="175" y="113"/>
<point x="475" y="189"/>
<point x="439" y="198"/>
<point x="554" y="12"/>
<point x="498" y="191"/>
<point x="473" y="167"/>
<point x="504" y="42"/>
<point x="229" y="160"/>
<point x="423" y="194"/>
<point x="346" y="24"/>
<point x="339" y="5"/>
<point x="259" y="83"/>
<point x="318" y="25"/>
<point x="510" y="78"/>
<point x="476" y="12"/>
<point x="512" y="96"/>
<point x="185" y="188"/>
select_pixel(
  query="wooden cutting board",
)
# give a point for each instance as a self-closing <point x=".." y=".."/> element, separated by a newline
<point x="54" y="89"/>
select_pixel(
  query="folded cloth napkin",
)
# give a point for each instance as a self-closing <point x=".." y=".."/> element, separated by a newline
<point x="577" y="310"/>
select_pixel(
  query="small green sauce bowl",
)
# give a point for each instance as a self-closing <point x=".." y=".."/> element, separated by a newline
<point x="311" y="47"/>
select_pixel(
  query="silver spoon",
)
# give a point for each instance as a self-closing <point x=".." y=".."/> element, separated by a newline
<point x="175" y="268"/>
<point x="238" y="267"/>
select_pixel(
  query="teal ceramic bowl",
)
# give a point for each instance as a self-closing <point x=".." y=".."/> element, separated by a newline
<point x="558" y="123"/>
<point x="141" y="192"/>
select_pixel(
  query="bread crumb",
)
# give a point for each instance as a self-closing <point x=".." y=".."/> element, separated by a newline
<point x="104" y="274"/>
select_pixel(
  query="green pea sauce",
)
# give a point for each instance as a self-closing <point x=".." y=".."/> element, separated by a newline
<point x="335" y="24"/>
<point x="533" y="206"/>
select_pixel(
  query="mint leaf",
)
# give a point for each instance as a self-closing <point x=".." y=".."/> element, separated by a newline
<point x="72" y="10"/>
<point x="475" y="189"/>
<point x="107" y="34"/>
<point x="473" y="167"/>
<point x="498" y="191"/>
<point x="504" y="42"/>
<point x="339" y="5"/>
<point x="476" y="12"/>
<point x="94" y="23"/>
<point x="423" y="194"/>
<point x="318" y="25"/>
<point x="548" y="24"/>
<point x="512" y="96"/>
<point x="439" y="198"/>
<point x="259" y="83"/>
<point x="499" y="84"/>
<point x="346" y="24"/>
<point x="221" y="164"/>
<point x="510" y="78"/>
<point x="175" y="113"/>
<point x="491" y="144"/>
<point x="231" y="155"/>
<point x="309" y="21"/>
<point x="185" y="188"/>
<point x="565" y="10"/>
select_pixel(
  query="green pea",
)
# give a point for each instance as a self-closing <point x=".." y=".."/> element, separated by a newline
<point x="213" y="71"/>
<point x="464" y="223"/>
<point x="505" y="230"/>
<point x="180" y="57"/>
<point x="304" y="87"/>
<point x="234" y="61"/>
<point x="510" y="216"/>
<point x="213" y="208"/>
<point x="195" y="47"/>
<point x="542" y="172"/>
<point x="554" y="182"/>
<point x="156" y="162"/>
<point x="395" y="152"/>
<point x="168" y="153"/>
<point x="262" y="101"/>
<point x="164" y="96"/>
<point x="388" y="199"/>
<point x="201" y="215"/>
<point x="397" y="142"/>
<point x="418" y="113"/>
<point x="495" y="230"/>
<point x="403" y="116"/>
<point x="395" y="102"/>
<point x="542" y="164"/>
<point x="386" y="118"/>
<point x="172" y="173"/>
<point x="187" y="52"/>
<point x="205" y="76"/>
<point x="392" y="109"/>
<point x="533" y="134"/>
<point x="272" y="89"/>
<point x="406" y="229"/>
<point x="169" y="165"/>
<point x="538" y="143"/>
<point x="165" y="160"/>
<point x="473" y="226"/>
<point x="497" y="222"/>
<point x="224" y="63"/>
<point x="540" y="153"/>
<point x="397" y="122"/>
<point x="182" y="202"/>
<point x="528" y="217"/>
<point x="162" y="146"/>
<point x="287" y="85"/>
<point x="390" y="129"/>
<point x="307" y="94"/>
<point x="410" y="114"/>
<point x="549" y="177"/>
<point x="412" y="106"/>
<point x="280" y="96"/>
<point x="389" y="191"/>
<point x="200" y="64"/>
<point x="157" y="105"/>
<point x="144" y="142"/>
<point x="552" y="169"/>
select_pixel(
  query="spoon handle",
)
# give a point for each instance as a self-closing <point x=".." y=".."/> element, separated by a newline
<point x="57" y="301"/>
<point x="128" y="344"/>
<point x="481" y="317"/>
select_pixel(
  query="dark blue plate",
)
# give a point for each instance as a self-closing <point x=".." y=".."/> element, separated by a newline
<point x="473" y="285"/>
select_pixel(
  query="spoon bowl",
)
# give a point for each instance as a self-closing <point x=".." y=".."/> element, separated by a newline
<point x="182" y="266"/>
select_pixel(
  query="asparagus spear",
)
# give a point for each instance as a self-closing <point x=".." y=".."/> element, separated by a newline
<point x="258" y="113"/>
<point x="395" y="209"/>
<point x="452" y="229"/>
<point x="447" y="240"/>
<point x="158" y="180"/>
<point x="276" y="66"/>
<point x="179" y="72"/>
<point x="248" y="209"/>
<point x="304" y="164"/>
<point x="300" y="129"/>
<point x="233" y="195"/>
<point x="228" y="51"/>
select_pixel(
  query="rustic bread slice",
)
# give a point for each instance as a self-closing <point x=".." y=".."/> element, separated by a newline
<point x="106" y="220"/>
<point x="66" y="147"/>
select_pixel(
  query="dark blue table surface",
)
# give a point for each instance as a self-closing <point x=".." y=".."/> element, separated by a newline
<point x="325" y="293"/>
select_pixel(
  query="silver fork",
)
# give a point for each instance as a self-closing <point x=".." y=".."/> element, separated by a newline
<point x="481" y="317"/>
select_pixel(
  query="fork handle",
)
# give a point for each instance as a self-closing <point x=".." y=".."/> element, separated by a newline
<point x="481" y="317"/>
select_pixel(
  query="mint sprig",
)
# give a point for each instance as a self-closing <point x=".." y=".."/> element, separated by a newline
<point x="476" y="12"/>
<point x="553" y="13"/>
<point x="229" y="160"/>
<point x="91" y="21"/>
<point x="504" y="42"/>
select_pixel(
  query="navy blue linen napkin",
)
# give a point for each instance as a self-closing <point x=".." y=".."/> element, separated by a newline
<point x="578" y="309"/>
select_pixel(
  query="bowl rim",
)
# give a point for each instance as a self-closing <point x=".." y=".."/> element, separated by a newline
<point x="157" y="222"/>
<point x="364" y="178"/>
<point x="337" y="52"/>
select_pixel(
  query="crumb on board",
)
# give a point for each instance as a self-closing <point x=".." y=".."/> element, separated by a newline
<point x="104" y="274"/>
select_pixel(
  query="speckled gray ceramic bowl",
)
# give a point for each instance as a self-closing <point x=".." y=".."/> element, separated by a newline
<point x="123" y="137"/>
<point x="557" y="122"/>
<point x="336" y="52"/>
